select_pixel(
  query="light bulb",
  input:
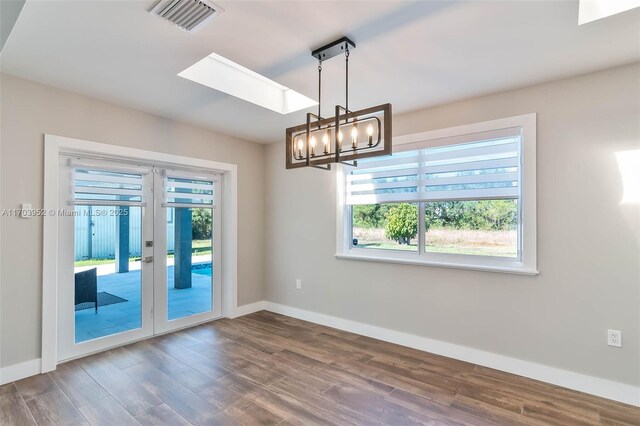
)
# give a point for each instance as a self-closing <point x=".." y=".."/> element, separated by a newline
<point x="300" y="144"/>
<point x="354" y="137"/>
<point x="325" y="139"/>
<point x="370" y="130"/>
<point x="312" y="144"/>
<point x="340" y="136"/>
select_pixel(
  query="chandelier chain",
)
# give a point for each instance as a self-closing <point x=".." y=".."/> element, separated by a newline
<point x="319" y="91"/>
<point x="346" y="59"/>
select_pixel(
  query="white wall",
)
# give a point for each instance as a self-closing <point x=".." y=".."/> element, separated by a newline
<point x="28" y="111"/>
<point x="588" y="242"/>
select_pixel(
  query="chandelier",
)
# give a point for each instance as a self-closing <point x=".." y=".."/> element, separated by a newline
<point x="345" y="137"/>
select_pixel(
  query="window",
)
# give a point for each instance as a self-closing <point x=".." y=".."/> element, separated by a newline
<point x="459" y="197"/>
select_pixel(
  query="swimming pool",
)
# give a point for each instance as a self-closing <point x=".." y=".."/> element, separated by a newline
<point x="202" y="269"/>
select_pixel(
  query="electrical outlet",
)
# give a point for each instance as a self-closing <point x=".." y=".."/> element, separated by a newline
<point x="298" y="284"/>
<point x="614" y="338"/>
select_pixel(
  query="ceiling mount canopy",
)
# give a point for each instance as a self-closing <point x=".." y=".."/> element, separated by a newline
<point x="334" y="48"/>
<point x="319" y="141"/>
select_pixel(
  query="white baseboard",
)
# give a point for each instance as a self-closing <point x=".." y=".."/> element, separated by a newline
<point x="19" y="371"/>
<point x="616" y="391"/>
<point x="248" y="309"/>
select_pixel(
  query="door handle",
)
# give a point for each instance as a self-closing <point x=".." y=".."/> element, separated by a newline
<point x="148" y="259"/>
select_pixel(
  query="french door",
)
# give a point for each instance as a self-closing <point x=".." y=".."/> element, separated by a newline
<point x="139" y="252"/>
<point x="187" y="244"/>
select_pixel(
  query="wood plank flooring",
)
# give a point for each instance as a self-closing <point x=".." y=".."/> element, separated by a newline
<point x="268" y="369"/>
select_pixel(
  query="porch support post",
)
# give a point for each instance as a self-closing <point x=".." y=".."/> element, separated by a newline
<point x="182" y="248"/>
<point x="122" y="240"/>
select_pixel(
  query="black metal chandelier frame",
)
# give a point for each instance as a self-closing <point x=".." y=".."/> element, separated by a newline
<point x="301" y="140"/>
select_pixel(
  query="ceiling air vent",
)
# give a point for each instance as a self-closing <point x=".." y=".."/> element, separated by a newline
<point x="190" y="15"/>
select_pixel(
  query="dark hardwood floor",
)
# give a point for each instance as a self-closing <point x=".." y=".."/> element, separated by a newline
<point x="270" y="369"/>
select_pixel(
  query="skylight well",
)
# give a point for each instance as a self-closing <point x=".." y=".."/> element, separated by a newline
<point x="592" y="10"/>
<point x="224" y="75"/>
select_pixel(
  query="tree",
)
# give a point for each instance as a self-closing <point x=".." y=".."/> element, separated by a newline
<point x="480" y="215"/>
<point x="367" y="216"/>
<point x="202" y="224"/>
<point x="500" y="214"/>
<point x="402" y="223"/>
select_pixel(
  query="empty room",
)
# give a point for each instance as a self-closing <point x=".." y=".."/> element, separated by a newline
<point x="313" y="212"/>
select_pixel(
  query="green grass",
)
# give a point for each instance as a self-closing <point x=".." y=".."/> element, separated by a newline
<point x="386" y="245"/>
<point x="433" y="248"/>
<point x="96" y="262"/>
<point x="451" y="241"/>
<point x="474" y="250"/>
<point x="199" y="248"/>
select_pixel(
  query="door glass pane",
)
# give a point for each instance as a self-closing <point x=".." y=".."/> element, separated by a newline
<point x="108" y="278"/>
<point x="189" y="261"/>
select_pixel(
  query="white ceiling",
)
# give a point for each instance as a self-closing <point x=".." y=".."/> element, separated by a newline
<point x="412" y="54"/>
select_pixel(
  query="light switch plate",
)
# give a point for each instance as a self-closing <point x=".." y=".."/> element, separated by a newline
<point x="25" y="209"/>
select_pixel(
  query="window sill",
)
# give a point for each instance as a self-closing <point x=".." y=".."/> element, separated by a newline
<point x="419" y="262"/>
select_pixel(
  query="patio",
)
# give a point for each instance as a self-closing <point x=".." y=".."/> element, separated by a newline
<point x="125" y="316"/>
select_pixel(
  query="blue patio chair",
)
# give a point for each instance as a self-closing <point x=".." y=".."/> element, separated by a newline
<point x="87" y="287"/>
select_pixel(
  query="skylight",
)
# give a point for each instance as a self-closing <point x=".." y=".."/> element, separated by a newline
<point x="592" y="10"/>
<point x="224" y="75"/>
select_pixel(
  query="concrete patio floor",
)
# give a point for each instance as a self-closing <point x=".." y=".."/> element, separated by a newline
<point x="126" y="316"/>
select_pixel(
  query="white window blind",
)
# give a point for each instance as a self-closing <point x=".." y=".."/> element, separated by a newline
<point x="101" y="186"/>
<point x="482" y="166"/>
<point x="182" y="191"/>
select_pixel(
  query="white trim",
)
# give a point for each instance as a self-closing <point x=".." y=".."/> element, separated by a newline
<point x="50" y="257"/>
<point x="19" y="371"/>
<point x="230" y="241"/>
<point x="53" y="147"/>
<point x="453" y="265"/>
<point x="67" y="347"/>
<point x="161" y="322"/>
<point x="248" y="309"/>
<point x="609" y="389"/>
<point x="483" y="126"/>
<point x="1" y="270"/>
<point x="525" y="263"/>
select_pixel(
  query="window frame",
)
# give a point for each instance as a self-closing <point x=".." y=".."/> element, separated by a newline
<point x="526" y="261"/>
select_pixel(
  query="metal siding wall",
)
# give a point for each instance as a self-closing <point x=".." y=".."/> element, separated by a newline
<point x="81" y="233"/>
<point x="135" y="232"/>
<point x="104" y="233"/>
<point x="170" y="230"/>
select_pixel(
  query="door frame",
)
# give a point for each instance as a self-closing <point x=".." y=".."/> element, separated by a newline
<point x="162" y="323"/>
<point x="68" y="347"/>
<point x="54" y="146"/>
